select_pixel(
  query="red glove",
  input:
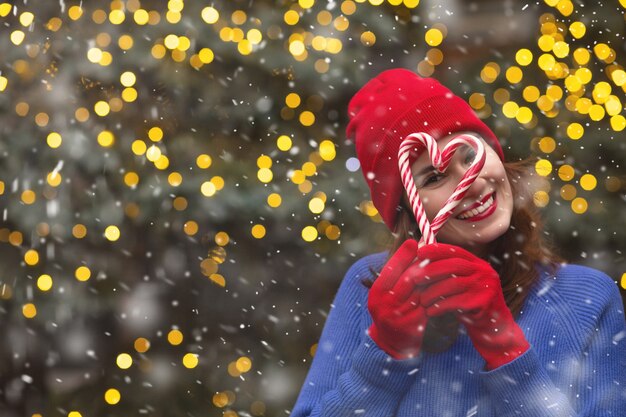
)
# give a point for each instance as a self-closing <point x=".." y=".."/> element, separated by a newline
<point x="462" y="283"/>
<point x="394" y="303"/>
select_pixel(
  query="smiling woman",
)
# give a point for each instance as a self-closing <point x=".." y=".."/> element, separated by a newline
<point x="484" y="213"/>
<point x="487" y="322"/>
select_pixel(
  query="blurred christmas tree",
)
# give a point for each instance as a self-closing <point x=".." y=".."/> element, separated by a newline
<point x="179" y="202"/>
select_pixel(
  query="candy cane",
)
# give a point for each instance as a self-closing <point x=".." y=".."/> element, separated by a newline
<point x="440" y="161"/>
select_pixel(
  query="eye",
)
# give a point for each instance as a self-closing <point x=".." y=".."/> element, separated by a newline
<point x="469" y="157"/>
<point x="433" y="178"/>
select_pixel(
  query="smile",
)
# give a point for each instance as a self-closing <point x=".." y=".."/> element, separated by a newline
<point x="483" y="210"/>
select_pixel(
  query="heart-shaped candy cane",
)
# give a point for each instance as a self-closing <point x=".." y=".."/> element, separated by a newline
<point x="440" y="161"/>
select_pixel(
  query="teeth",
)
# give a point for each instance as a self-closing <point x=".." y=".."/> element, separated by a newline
<point x="474" y="212"/>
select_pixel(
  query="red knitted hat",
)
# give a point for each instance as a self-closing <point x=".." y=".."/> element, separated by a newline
<point x="391" y="106"/>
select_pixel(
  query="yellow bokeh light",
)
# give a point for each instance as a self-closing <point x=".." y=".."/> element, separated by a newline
<point x="258" y="231"/>
<point x="524" y="57"/>
<point x="101" y="108"/>
<point x="125" y="42"/>
<point x="54" y="179"/>
<point x="153" y="153"/>
<point x="204" y="161"/>
<point x="531" y="93"/>
<point x="112" y="233"/>
<point x="210" y="15"/>
<point x="28" y="197"/>
<point x="546" y="62"/>
<point x="155" y="134"/>
<point x="618" y="123"/>
<point x="514" y="75"/>
<point x="44" y="282"/>
<point x="141" y="17"/>
<point x="368" y="38"/>
<point x="297" y="47"/>
<point x="265" y="175"/>
<point x="575" y="131"/>
<point x="175" y="337"/>
<point x="560" y="49"/>
<point x="208" y="189"/>
<point x="79" y="231"/>
<point x="566" y="172"/>
<point x="596" y="112"/>
<point x="218" y="182"/>
<point x="543" y="167"/>
<point x="545" y="43"/>
<point x="292" y="100"/>
<point x="307" y="118"/>
<point x="106" y="139"/>
<point x="5" y="9"/>
<point x="29" y="310"/>
<point x="309" y="233"/>
<point x="264" y="161"/>
<point x="602" y="50"/>
<point x="434" y="56"/>
<point x="568" y="192"/>
<point x="433" y="37"/>
<point x="75" y="12"/>
<point x="31" y="257"/>
<point x="316" y="205"/>
<point x="243" y="364"/>
<point x="131" y="179"/>
<point x="124" y="361"/>
<point x="577" y="29"/>
<point x="141" y="344"/>
<point x="26" y="19"/>
<point x="547" y="144"/>
<point x="588" y="182"/>
<point x="82" y="273"/>
<point x="112" y="396"/>
<point x="619" y="77"/>
<point x="175" y="179"/>
<point x="220" y="400"/>
<point x="190" y="360"/>
<point x="510" y="109"/>
<point x="581" y="56"/>
<point x="206" y="55"/>
<point x="284" y="143"/>
<point x="139" y="147"/>
<point x="17" y="37"/>
<point x="117" y="16"/>
<point x="171" y="41"/>
<point x="190" y="228"/>
<point x="274" y="200"/>
<point x="327" y="150"/>
<point x="128" y="79"/>
<point x="579" y="205"/>
<point x="541" y="198"/>
<point x="477" y="101"/>
<point x="221" y="238"/>
<point x="129" y="94"/>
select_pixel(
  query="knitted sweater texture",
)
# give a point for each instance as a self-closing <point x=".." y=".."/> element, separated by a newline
<point x="576" y="365"/>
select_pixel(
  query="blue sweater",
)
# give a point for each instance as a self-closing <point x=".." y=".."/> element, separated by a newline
<point x="576" y="365"/>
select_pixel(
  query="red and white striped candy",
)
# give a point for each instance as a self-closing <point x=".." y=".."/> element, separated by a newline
<point x="440" y="161"/>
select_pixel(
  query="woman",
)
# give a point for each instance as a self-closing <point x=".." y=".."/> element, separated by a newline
<point x="486" y="322"/>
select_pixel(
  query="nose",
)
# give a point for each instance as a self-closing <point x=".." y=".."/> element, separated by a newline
<point x="476" y="191"/>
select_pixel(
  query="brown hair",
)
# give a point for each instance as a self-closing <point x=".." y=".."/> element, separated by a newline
<point x="514" y="255"/>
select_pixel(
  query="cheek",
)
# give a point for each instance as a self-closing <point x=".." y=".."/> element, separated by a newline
<point x="432" y="202"/>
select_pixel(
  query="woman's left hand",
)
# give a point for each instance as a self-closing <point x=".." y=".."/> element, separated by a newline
<point x="468" y="286"/>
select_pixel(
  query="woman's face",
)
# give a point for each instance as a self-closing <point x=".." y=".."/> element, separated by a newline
<point x="483" y="214"/>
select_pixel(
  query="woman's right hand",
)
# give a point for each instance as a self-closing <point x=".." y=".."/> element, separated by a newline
<point x="394" y="304"/>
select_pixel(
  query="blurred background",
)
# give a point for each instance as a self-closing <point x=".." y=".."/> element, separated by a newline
<point x="179" y="202"/>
